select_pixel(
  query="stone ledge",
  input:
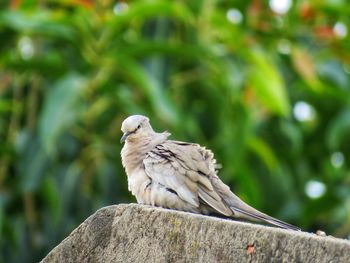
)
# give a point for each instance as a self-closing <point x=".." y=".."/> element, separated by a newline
<point x="137" y="233"/>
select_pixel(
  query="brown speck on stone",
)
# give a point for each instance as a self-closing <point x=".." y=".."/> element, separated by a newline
<point x="250" y="249"/>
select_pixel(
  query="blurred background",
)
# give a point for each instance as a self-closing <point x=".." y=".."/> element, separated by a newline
<point x="264" y="84"/>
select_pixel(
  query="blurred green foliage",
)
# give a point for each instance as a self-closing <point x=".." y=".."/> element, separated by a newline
<point x="268" y="93"/>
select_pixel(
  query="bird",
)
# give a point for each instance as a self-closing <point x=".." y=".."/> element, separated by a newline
<point x="180" y="175"/>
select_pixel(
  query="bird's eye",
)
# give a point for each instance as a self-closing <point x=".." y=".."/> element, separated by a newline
<point x="138" y="127"/>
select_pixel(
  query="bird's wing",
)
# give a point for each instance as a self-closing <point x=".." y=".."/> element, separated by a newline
<point x="189" y="170"/>
<point x="185" y="168"/>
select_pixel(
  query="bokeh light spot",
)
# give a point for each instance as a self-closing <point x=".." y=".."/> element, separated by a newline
<point x="340" y="30"/>
<point x="280" y="6"/>
<point x="337" y="159"/>
<point x="234" y="16"/>
<point x="26" y="47"/>
<point x="303" y="111"/>
<point x="315" y="189"/>
<point x="120" y="8"/>
<point x="283" y="46"/>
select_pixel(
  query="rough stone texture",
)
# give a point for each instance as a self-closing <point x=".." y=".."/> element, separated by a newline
<point x="135" y="233"/>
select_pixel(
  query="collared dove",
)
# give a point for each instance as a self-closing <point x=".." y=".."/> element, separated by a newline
<point x="179" y="175"/>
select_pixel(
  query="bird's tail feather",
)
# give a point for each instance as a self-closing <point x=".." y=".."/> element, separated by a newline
<point x="265" y="218"/>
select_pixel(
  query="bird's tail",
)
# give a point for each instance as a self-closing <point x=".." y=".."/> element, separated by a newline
<point x="258" y="216"/>
<point x="242" y="210"/>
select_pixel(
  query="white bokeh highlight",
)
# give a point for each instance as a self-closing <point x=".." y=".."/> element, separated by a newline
<point x="280" y="7"/>
<point x="26" y="47"/>
<point x="120" y="8"/>
<point x="283" y="46"/>
<point x="234" y="16"/>
<point x="337" y="159"/>
<point x="340" y="30"/>
<point x="303" y="111"/>
<point x="315" y="189"/>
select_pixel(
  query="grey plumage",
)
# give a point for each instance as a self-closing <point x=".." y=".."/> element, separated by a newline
<point x="179" y="175"/>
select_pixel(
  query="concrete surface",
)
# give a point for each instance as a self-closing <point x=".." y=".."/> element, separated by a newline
<point x="136" y="233"/>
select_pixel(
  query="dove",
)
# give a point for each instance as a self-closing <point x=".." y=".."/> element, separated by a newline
<point x="179" y="175"/>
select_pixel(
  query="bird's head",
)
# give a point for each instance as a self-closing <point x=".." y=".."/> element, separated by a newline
<point x="135" y="126"/>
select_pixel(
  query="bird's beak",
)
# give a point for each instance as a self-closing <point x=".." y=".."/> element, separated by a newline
<point x="123" y="138"/>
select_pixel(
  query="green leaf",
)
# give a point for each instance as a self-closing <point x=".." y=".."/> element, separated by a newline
<point x="249" y="190"/>
<point x="60" y="110"/>
<point x="267" y="83"/>
<point x="6" y="105"/>
<point x="145" y="47"/>
<point x="32" y="163"/>
<point x="145" y="9"/>
<point x="44" y="23"/>
<point x="3" y="201"/>
<point x="339" y="129"/>
<point x="264" y="152"/>
<point x="52" y="198"/>
<point x="304" y="64"/>
<point x="150" y="87"/>
<point x="293" y="134"/>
